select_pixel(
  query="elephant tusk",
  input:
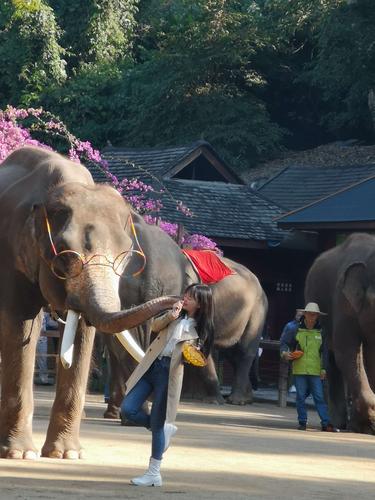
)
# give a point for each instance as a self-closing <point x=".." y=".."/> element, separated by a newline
<point x="126" y="340"/>
<point x="67" y="344"/>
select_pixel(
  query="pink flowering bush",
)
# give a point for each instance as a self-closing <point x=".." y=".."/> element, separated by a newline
<point x="194" y="241"/>
<point x="17" y="128"/>
<point x="168" y="227"/>
<point x="199" y="242"/>
<point x="12" y="135"/>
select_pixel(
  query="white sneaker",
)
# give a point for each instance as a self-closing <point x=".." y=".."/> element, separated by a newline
<point x="169" y="431"/>
<point x="150" y="478"/>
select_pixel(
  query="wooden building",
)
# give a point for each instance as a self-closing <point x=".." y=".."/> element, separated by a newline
<point x="337" y="215"/>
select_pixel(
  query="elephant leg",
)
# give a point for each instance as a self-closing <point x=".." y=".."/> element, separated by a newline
<point x="336" y="395"/>
<point x="369" y="356"/>
<point x="347" y="346"/>
<point x="116" y="381"/>
<point x="242" y="358"/>
<point x="211" y="383"/>
<point x="18" y="346"/>
<point x="242" y="393"/>
<point x="116" y="395"/>
<point x="247" y="348"/>
<point x="62" y="440"/>
<point x="203" y="383"/>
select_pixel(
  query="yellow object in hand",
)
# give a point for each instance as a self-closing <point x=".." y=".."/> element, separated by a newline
<point x="193" y="355"/>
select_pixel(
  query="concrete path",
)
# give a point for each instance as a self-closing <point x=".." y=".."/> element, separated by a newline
<point x="219" y="452"/>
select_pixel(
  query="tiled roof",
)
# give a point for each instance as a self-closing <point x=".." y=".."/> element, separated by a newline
<point x="353" y="204"/>
<point x="146" y="164"/>
<point x="298" y="186"/>
<point x="220" y="209"/>
<point x="335" y="154"/>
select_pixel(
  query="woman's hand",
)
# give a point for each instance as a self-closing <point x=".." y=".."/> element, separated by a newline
<point x="176" y="309"/>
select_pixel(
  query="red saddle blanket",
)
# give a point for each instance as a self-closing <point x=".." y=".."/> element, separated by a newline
<point x="208" y="265"/>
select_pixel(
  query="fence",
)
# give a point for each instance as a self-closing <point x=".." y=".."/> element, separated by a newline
<point x="53" y="337"/>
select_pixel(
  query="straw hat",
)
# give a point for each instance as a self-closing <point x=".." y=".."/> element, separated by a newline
<point x="312" y="307"/>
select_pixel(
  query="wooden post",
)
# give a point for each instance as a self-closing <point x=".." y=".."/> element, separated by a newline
<point x="283" y="382"/>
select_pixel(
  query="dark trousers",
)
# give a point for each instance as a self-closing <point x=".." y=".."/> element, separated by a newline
<point x="155" y="381"/>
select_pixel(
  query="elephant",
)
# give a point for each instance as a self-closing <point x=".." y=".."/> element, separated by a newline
<point x="240" y="310"/>
<point x="64" y="241"/>
<point x="342" y="281"/>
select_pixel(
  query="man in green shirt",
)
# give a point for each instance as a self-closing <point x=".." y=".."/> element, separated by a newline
<point x="302" y="344"/>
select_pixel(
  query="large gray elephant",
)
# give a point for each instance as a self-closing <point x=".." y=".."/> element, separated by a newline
<point x="240" y="311"/>
<point x="342" y="282"/>
<point x="65" y="242"/>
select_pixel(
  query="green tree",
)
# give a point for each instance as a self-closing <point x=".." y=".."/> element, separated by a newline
<point x="30" y="54"/>
<point x="96" y="31"/>
<point x="194" y="76"/>
<point x="197" y="78"/>
<point x="91" y="102"/>
<point x="343" y="68"/>
<point x="290" y="29"/>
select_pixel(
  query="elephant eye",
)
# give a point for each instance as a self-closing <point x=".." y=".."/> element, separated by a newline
<point x="67" y="264"/>
<point x="59" y="217"/>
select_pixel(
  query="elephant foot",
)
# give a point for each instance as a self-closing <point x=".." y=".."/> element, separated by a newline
<point x="19" y="451"/>
<point x="362" y="427"/>
<point x="216" y="399"/>
<point x="63" y="450"/>
<point x="213" y="400"/>
<point x="362" y="418"/>
<point x="112" y="413"/>
<point x="239" y="399"/>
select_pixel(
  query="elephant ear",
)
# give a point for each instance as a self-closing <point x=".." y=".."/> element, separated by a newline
<point x="27" y="259"/>
<point x="355" y="283"/>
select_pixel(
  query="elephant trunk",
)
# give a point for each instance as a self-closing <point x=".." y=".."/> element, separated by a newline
<point x="112" y="323"/>
<point x="115" y="322"/>
<point x="96" y="295"/>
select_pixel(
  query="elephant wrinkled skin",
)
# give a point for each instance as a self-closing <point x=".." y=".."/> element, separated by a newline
<point x="35" y="186"/>
<point x="342" y="282"/>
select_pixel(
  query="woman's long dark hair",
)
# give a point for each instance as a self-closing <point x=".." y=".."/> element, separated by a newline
<point x="204" y="316"/>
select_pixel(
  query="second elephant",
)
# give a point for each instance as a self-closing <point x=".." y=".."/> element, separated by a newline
<point x="240" y="312"/>
<point x="342" y="282"/>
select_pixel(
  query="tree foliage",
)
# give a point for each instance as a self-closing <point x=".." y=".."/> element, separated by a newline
<point x="249" y="76"/>
<point x="95" y="31"/>
<point x="343" y="68"/>
<point x="198" y="78"/>
<point x="91" y="102"/>
<point x="30" y="54"/>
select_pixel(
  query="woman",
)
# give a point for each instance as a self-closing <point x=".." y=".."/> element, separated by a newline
<point x="161" y="372"/>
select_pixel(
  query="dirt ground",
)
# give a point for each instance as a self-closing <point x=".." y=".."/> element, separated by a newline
<point x="219" y="452"/>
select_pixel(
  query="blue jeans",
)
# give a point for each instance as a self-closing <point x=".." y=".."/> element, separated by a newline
<point x="310" y="384"/>
<point x="155" y="381"/>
